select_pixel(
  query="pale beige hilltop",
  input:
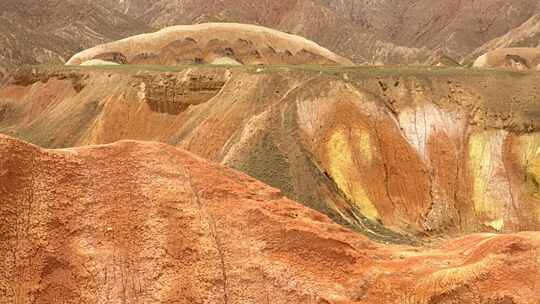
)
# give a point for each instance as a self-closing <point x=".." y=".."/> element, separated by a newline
<point x="206" y="43"/>
<point x="514" y="58"/>
<point x="98" y="62"/>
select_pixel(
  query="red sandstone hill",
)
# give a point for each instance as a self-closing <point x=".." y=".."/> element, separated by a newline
<point x="136" y="222"/>
<point x="419" y="151"/>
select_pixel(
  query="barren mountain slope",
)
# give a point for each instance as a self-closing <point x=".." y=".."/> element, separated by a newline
<point x="214" y="43"/>
<point x="51" y="31"/>
<point x="458" y="27"/>
<point x="137" y="222"/>
<point x="414" y="150"/>
<point x="387" y="31"/>
<point x="526" y="35"/>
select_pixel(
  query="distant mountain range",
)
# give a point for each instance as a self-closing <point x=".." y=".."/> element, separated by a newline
<point x="366" y="31"/>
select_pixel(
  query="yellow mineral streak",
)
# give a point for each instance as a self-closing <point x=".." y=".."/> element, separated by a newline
<point x="480" y="159"/>
<point x="484" y="158"/>
<point x="362" y="144"/>
<point x="497" y="224"/>
<point x="347" y="151"/>
<point x="528" y="146"/>
<point x="534" y="171"/>
<point x="529" y="157"/>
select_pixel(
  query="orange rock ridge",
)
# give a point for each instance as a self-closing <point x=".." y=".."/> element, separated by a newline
<point x="142" y="222"/>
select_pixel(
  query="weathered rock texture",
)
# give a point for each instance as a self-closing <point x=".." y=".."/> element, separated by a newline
<point x="525" y="35"/>
<point x="382" y="31"/>
<point x="375" y="32"/>
<point x="414" y="150"/>
<point x="51" y="31"/>
<point x="137" y="222"/>
<point x="212" y="43"/>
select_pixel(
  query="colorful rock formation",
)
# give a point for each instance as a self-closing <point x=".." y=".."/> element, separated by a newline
<point x="416" y="151"/>
<point x="135" y="222"/>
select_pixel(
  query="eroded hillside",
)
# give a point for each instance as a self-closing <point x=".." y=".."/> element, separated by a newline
<point x="389" y="151"/>
<point x="382" y="31"/>
<point x="135" y="222"/>
<point x="374" y="32"/>
<point x="526" y="35"/>
<point x="51" y="31"/>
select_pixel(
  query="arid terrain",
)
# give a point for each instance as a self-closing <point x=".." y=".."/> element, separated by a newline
<point x="374" y="32"/>
<point x="51" y="31"/>
<point x="258" y="152"/>
<point x="414" y="150"/>
<point x="137" y="222"/>
<point x="383" y="31"/>
<point x="211" y="43"/>
<point x="510" y="58"/>
<point x="526" y="35"/>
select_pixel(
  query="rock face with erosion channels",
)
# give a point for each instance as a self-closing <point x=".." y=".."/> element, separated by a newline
<point x="135" y="222"/>
<point x="50" y="31"/>
<point x="525" y="35"/>
<point x="215" y="43"/>
<point x="382" y="31"/>
<point x="412" y="150"/>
